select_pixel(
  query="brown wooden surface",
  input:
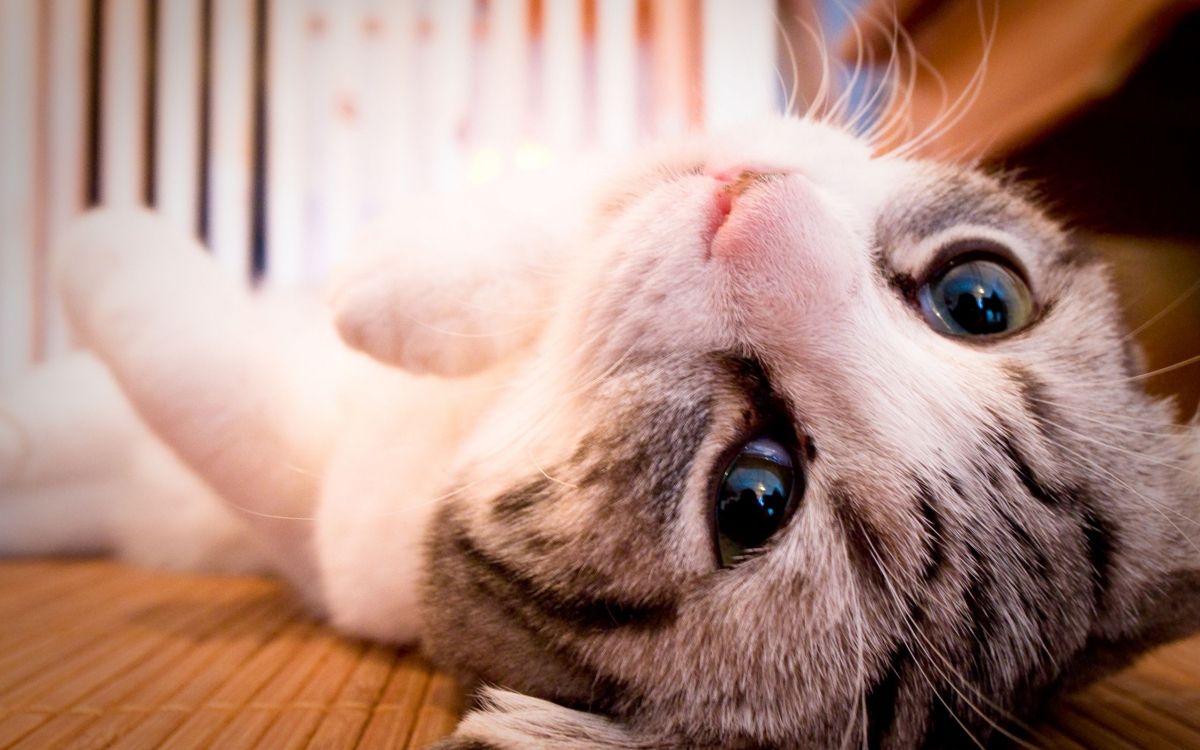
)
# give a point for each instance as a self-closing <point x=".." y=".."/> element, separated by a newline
<point x="95" y="654"/>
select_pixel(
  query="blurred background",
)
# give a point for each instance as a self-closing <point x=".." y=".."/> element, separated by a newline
<point x="272" y="129"/>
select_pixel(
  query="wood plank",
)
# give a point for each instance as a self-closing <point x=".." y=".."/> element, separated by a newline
<point x="231" y="676"/>
<point x="347" y="716"/>
<point x="212" y="661"/>
<point x="439" y="712"/>
<point x="393" y="715"/>
<point x="295" y="723"/>
<point x="257" y="621"/>
<point x="247" y="721"/>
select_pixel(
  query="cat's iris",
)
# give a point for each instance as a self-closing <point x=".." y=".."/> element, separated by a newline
<point x="755" y="498"/>
<point x="976" y="297"/>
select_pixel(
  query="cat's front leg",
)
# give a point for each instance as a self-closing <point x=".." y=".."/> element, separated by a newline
<point x="66" y="444"/>
<point x="511" y="721"/>
<point x="237" y="397"/>
<point x="80" y="474"/>
<point x="384" y="484"/>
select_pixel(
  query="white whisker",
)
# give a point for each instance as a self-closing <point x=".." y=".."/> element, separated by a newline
<point x="1149" y="503"/>
<point x="1140" y="456"/>
<point x="791" y="96"/>
<point x="1143" y="376"/>
<point x="918" y="640"/>
<point x="952" y="115"/>
<point x="1164" y="312"/>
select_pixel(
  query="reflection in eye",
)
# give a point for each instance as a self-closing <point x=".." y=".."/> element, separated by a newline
<point x="755" y="498"/>
<point x="979" y="297"/>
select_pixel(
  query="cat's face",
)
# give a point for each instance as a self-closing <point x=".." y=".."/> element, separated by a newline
<point x="820" y="446"/>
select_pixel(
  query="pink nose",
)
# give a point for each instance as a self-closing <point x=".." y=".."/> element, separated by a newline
<point x="737" y="180"/>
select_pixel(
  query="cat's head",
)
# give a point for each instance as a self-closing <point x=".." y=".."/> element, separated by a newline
<point x="817" y="446"/>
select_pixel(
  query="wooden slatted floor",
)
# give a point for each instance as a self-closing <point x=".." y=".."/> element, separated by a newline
<point x="94" y="654"/>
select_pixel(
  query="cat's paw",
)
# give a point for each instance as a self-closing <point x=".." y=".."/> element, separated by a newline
<point x="115" y="267"/>
<point x="511" y="721"/>
<point x="451" y="313"/>
<point x="451" y="284"/>
<point x="94" y="249"/>
<point x="405" y="319"/>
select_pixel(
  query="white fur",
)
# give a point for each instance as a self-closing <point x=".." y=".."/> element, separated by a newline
<point x="510" y="721"/>
<point x="82" y="474"/>
<point x="330" y="459"/>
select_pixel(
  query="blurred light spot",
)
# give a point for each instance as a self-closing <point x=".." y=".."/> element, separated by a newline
<point x="530" y="157"/>
<point x="486" y="166"/>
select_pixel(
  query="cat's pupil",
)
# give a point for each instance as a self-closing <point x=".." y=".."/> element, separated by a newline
<point x="978" y="297"/>
<point x="754" y="499"/>
<point x="978" y="309"/>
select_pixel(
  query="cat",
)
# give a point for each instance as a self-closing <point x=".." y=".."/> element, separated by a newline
<point x="760" y="439"/>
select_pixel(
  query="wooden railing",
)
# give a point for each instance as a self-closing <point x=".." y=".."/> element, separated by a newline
<point x="274" y="128"/>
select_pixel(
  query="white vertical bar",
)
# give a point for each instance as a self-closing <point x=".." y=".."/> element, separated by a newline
<point x="389" y="110"/>
<point x="449" y="65"/>
<point x="739" y="60"/>
<point x="123" y="103"/>
<point x="177" y="140"/>
<point x="286" y="251"/>
<point x="66" y="128"/>
<point x="316" y="69"/>
<point x="18" y="129"/>
<point x="229" y="181"/>
<point x="562" y="66"/>
<point x="343" y="97"/>
<point x="313" y="69"/>
<point x="674" y="77"/>
<point x="616" y="73"/>
<point x="504" y="90"/>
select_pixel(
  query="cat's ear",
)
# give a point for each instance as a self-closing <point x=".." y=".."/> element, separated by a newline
<point x="451" y="284"/>
<point x="511" y="721"/>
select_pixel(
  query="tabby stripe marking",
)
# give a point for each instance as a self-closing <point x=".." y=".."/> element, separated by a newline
<point x="934" y="534"/>
<point x="881" y="698"/>
<point x="1099" y="534"/>
<point x="1101" y="541"/>
<point x="1043" y="494"/>
<point x="580" y="612"/>
<point x="862" y="539"/>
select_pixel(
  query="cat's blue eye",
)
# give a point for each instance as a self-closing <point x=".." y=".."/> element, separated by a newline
<point x="977" y="297"/>
<point x="755" y="499"/>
